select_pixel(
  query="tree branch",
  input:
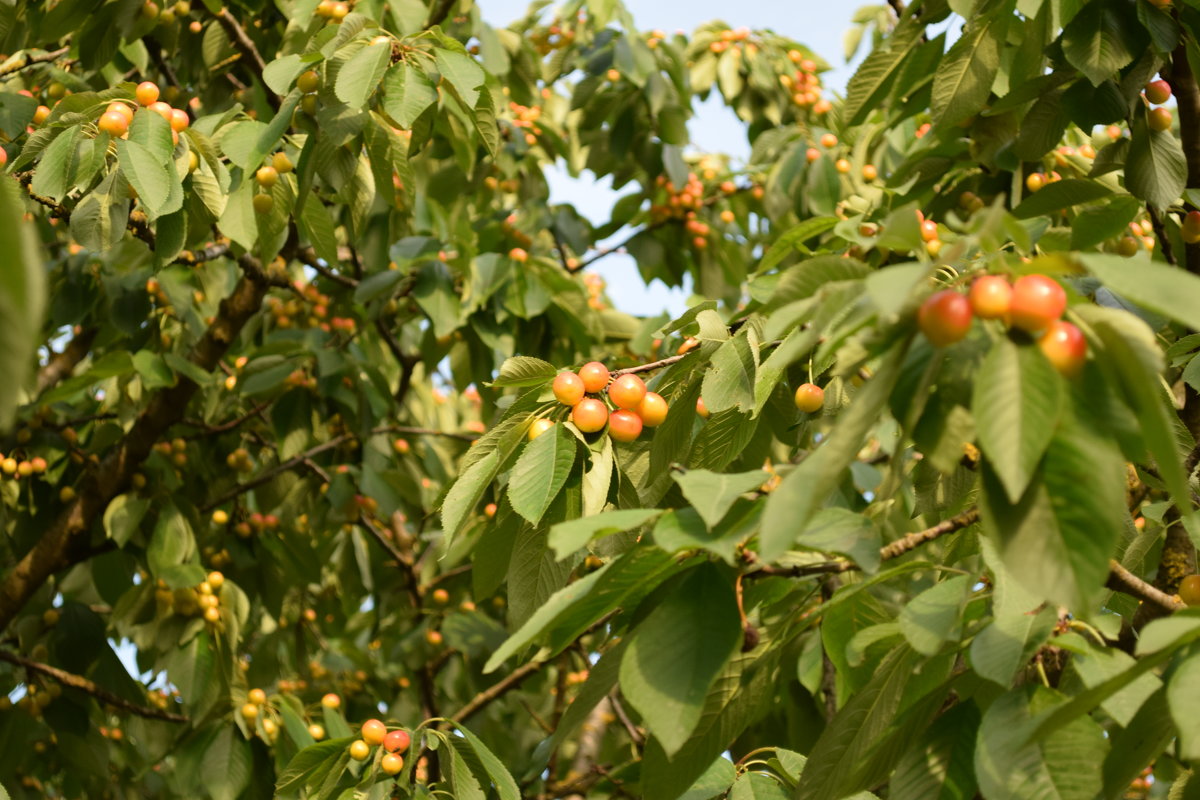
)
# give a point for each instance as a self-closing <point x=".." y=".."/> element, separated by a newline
<point x="653" y="365"/>
<point x="65" y="541"/>
<point x="496" y="690"/>
<point x="73" y="681"/>
<point x="912" y="540"/>
<point x="208" y="430"/>
<point x="29" y="61"/>
<point x="63" y="364"/>
<point x="1122" y="580"/>
<point x="278" y="469"/>
<point x="245" y="45"/>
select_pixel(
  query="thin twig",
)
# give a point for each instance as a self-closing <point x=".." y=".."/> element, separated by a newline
<point x="279" y="469"/>
<point x="245" y="45"/>
<point x="1159" y="231"/>
<point x="508" y="683"/>
<point x="29" y="61"/>
<point x="666" y="362"/>
<point x="223" y="427"/>
<point x="74" y="681"/>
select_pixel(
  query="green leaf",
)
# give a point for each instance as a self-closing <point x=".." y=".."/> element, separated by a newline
<point x="860" y="745"/>
<point x="360" y="76"/>
<point x="467" y="491"/>
<point x="1059" y="195"/>
<point x="123" y="516"/>
<point x="1183" y="694"/>
<point x="1058" y="536"/>
<point x="677" y="652"/>
<point x="22" y="298"/>
<point x="712" y="494"/>
<point x="281" y="73"/>
<point x="964" y="78"/>
<point x="568" y="537"/>
<point x="841" y="531"/>
<point x="540" y="472"/>
<point x="1155" y="286"/>
<point x="792" y="240"/>
<point x="1017" y="404"/>
<point x="1001" y="649"/>
<point x="1095" y="44"/>
<point x="731" y="376"/>
<point x="524" y="371"/>
<point x="867" y="88"/>
<point x="226" y="765"/>
<point x="149" y="176"/>
<point x="806" y="278"/>
<point x="938" y="767"/>
<point x="935" y="615"/>
<point x="805" y="488"/>
<point x="506" y="787"/>
<point x="1155" y="169"/>
<point x="575" y="607"/>
<point x="56" y="170"/>
<point x="463" y="74"/>
<point x="1097" y="224"/>
<point x="1096" y="665"/>
<point x="1011" y="767"/>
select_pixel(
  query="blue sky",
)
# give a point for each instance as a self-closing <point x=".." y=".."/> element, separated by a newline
<point x="714" y="128"/>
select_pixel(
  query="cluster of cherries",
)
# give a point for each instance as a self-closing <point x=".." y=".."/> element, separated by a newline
<point x="634" y="406"/>
<point x="374" y="733"/>
<point x="1034" y="303"/>
<point x="805" y="85"/>
<point x="526" y="118"/>
<point x="1156" y="93"/>
<point x="201" y="599"/>
<point x="118" y="115"/>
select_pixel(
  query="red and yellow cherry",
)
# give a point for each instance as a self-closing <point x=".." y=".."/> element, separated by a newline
<point x="702" y="409"/>
<point x="282" y="163"/>
<point x="568" y="388"/>
<point x="627" y="392"/>
<point x="809" y="398"/>
<point x="40" y="115"/>
<point x="256" y="696"/>
<point x="869" y="172"/>
<point x="263" y="203"/>
<point x="391" y="764"/>
<point x="373" y="732"/>
<point x="331" y="700"/>
<point x="929" y="230"/>
<point x="179" y="120"/>
<point x="991" y="296"/>
<point x="316" y="731"/>
<point x="433" y="637"/>
<point x="624" y="426"/>
<point x="653" y="410"/>
<point x="1035" y="181"/>
<point x="589" y="415"/>
<point x="249" y="712"/>
<point x="519" y="255"/>
<point x="1064" y="346"/>
<point x="122" y="109"/>
<point x="359" y="750"/>
<point x="539" y="427"/>
<point x="595" y="376"/>
<point x="396" y="741"/>
<point x="113" y="123"/>
<point x="829" y="140"/>
<point x="162" y="109"/>
<point x="945" y="317"/>
<point x="1036" y="302"/>
<point x="843" y="166"/>
<point x="146" y="92"/>
<point x="1158" y="92"/>
<point x="308" y="82"/>
<point x="440" y="596"/>
<point x="1190" y="229"/>
<point x="1160" y="119"/>
<point x="1189" y="590"/>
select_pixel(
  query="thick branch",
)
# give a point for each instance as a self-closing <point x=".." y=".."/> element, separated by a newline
<point x="63" y="364"/>
<point x="74" y="681"/>
<point x="65" y="541"/>
<point x="29" y="61"/>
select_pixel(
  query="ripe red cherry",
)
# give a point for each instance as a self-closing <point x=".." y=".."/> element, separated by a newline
<point x="627" y="391"/>
<point x="991" y="296"/>
<point x="929" y="230"/>
<point x="1065" y="346"/>
<point x="1189" y="590"/>
<point x="1158" y="92"/>
<point x="396" y="741"/>
<point x="653" y="409"/>
<point x="373" y="732"/>
<point x="1036" y="302"/>
<point x="810" y="398"/>
<point x="1190" y="230"/>
<point x="945" y="317"/>
<point x="568" y="388"/>
<point x="146" y="92"/>
<point x="702" y="409"/>
<point x="595" y="376"/>
<point x="624" y="426"/>
<point x="589" y="415"/>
